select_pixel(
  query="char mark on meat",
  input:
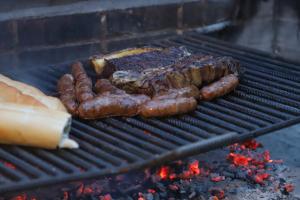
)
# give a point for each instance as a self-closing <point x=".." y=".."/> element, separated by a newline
<point x="138" y="59"/>
<point x="197" y="70"/>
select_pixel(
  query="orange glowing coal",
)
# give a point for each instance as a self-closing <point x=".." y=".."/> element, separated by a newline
<point x="105" y="197"/>
<point x="66" y="195"/>
<point x="266" y="156"/>
<point x="151" y="191"/>
<point x="251" y="144"/>
<point x="288" y="187"/>
<point x="164" y="172"/>
<point x="217" y="178"/>
<point x="9" y="165"/>
<point x="259" y="178"/>
<point x="239" y="160"/>
<point x="194" y="167"/>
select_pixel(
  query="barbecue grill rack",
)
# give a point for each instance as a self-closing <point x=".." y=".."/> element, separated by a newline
<point x="268" y="98"/>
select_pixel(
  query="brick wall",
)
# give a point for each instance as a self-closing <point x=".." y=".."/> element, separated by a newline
<point x="42" y="40"/>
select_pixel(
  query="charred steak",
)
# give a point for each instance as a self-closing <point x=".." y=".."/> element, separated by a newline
<point x="138" y="59"/>
<point x="197" y="70"/>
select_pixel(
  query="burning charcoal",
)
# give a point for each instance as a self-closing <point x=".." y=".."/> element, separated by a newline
<point x="288" y="188"/>
<point x="213" y="198"/>
<point x="260" y="178"/>
<point x="216" y="177"/>
<point x="219" y="193"/>
<point x="252" y="144"/>
<point x="105" y="197"/>
<point x="173" y="187"/>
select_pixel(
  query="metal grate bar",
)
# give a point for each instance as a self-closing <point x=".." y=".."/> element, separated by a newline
<point x="267" y="99"/>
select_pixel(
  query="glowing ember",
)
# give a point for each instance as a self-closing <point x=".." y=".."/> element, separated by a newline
<point x="252" y="144"/>
<point x="172" y="176"/>
<point x="173" y="187"/>
<point x="66" y="196"/>
<point x="151" y="191"/>
<point x="105" y="197"/>
<point x="217" y="192"/>
<point x="87" y="190"/>
<point x="80" y="190"/>
<point x="239" y="160"/>
<point x="9" y="165"/>
<point x="259" y="178"/>
<point x="20" y="197"/>
<point x="217" y="178"/>
<point x="164" y="172"/>
<point x="214" y="198"/>
<point x="267" y="157"/>
<point x="194" y="167"/>
<point x="288" y="187"/>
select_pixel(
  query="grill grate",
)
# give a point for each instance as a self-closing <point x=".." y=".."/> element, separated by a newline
<point x="267" y="99"/>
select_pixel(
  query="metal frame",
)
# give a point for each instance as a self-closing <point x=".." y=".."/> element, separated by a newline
<point x="266" y="100"/>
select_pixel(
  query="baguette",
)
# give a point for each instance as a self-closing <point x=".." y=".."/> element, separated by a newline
<point x="24" y="91"/>
<point x="34" y="126"/>
<point x="11" y="94"/>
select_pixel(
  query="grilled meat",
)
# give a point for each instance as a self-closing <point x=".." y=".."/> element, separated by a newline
<point x="83" y="84"/>
<point x="111" y="101"/>
<point x="171" y="77"/>
<point x="168" y="107"/>
<point x="137" y="59"/>
<point x="99" y="62"/>
<point x="105" y="86"/>
<point x="107" y="106"/>
<point x="66" y="90"/>
<point x="186" y="92"/>
<point x="195" y="70"/>
<point x="220" y="87"/>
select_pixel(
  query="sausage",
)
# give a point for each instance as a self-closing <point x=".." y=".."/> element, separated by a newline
<point x="191" y="91"/>
<point x="168" y="107"/>
<point x="219" y="88"/>
<point x="108" y="105"/>
<point x="66" y="90"/>
<point x="83" y="84"/>
<point x="105" y="86"/>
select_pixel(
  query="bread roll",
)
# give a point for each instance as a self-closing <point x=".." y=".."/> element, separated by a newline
<point x="27" y="90"/>
<point x="34" y="126"/>
<point x="11" y="94"/>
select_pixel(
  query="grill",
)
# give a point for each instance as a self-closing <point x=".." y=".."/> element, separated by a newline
<point x="267" y="99"/>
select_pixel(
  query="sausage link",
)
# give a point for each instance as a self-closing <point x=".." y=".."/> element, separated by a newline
<point x="105" y="86"/>
<point x="108" y="105"/>
<point x="83" y="84"/>
<point x="219" y="88"/>
<point x="168" y="107"/>
<point x="66" y="90"/>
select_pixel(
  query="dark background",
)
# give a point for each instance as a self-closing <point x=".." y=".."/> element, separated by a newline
<point x="42" y="32"/>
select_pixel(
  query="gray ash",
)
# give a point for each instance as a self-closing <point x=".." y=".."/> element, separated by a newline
<point x="241" y="171"/>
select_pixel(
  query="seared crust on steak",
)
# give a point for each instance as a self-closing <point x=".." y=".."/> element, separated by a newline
<point x="197" y="70"/>
<point x="137" y="59"/>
